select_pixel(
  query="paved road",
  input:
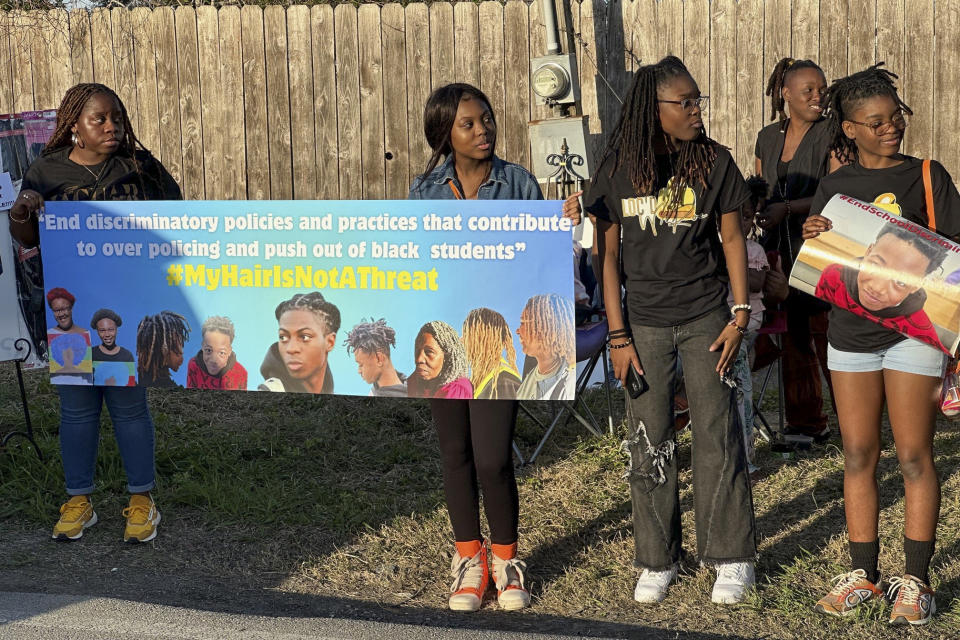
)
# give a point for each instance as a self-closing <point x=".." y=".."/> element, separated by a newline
<point x="30" y="616"/>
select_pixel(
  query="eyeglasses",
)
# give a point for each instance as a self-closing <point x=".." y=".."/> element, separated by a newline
<point x="879" y="128"/>
<point x="687" y="104"/>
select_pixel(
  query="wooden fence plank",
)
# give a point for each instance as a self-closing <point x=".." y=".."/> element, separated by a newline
<point x="891" y="38"/>
<point x="395" y="135"/>
<point x="516" y="45"/>
<point x="696" y="47"/>
<point x="805" y="29"/>
<point x="21" y="39"/>
<point x="278" y="102"/>
<point x="101" y="35"/>
<point x="126" y="86"/>
<point x="442" y="52"/>
<point x="40" y="62"/>
<point x="918" y="81"/>
<point x="233" y="165"/>
<point x="168" y="92"/>
<point x="6" y="63"/>
<point x="145" y="59"/>
<point x="589" y="74"/>
<point x="59" y="55"/>
<point x="723" y="74"/>
<point x="255" y="103"/>
<point x="491" y="55"/>
<point x="466" y="32"/>
<point x="538" y="47"/>
<point x="348" y="102"/>
<point x="191" y="126"/>
<point x="417" y="22"/>
<point x="776" y="33"/>
<point x="324" y="102"/>
<point x="947" y="108"/>
<point x="833" y="38"/>
<point x="751" y="80"/>
<point x="861" y="34"/>
<point x="81" y="49"/>
<point x="371" y="101"/>
<point x="211" y="103"/>
<point x="302" y="135"/>
<point x="669" y="28"/>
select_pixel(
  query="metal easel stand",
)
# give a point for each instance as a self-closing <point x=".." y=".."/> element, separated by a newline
<point x="22" y="344"/>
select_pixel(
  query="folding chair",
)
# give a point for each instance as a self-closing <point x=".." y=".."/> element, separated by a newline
<point x="774" y="328"/>
<point x="591" y="348"/>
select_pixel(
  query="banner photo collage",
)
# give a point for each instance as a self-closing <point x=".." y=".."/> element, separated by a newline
<point x="452" y="299"/>
<point x="885" y="268"/>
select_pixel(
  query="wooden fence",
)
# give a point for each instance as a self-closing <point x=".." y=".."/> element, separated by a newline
<point x="324" y="102"/>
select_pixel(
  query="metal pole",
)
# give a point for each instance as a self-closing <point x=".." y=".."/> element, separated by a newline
<point x="550" y="24"/>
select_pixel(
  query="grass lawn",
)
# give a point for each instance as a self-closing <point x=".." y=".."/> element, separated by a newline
<point x="294" y="505"/>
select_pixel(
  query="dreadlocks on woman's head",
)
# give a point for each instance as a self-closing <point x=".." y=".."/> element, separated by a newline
<point x="485" y="337"/>
<point x="632" y="141"/>
<point x="785" y="68"/>
<point x="454" y="356"/>
<point x="157" y="335"/>
<point x="550" y="319"/>
<point x="371" y="337"/>
<point x="316" y="303"/>
<point x="74" y="100"/>
<point x="845" y="95"/>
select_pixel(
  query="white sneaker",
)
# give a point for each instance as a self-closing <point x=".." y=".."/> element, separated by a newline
<point x="734" y="580"/>
<point x="652" y="585"/>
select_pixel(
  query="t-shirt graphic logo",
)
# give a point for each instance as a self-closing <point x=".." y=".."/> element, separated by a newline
<point x="888" y="202"/>
<point x="653" y="211"/>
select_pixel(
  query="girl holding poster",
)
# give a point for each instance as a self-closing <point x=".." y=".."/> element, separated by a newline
<point x="94" y="155"/>
<point x="673" y="193"/>
<point x="475" y="435"/>
<point x="869" y="361"/>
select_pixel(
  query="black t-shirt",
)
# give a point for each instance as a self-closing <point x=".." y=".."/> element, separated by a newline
<point x="123" y="355"/>
<point x="55" y="177"/>
<point x="809" y="164"/>
<point x="670" y="262"/>
<point x="898" y="190"/>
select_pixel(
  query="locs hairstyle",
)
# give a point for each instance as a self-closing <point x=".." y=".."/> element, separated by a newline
<point x="454" y="357"/>
<point x="845" y="95"/>
<point x="156" y="336"/>
<point x="314" y="302"/>
<point x="371" y="337"/>
<point x="778" y="78"/>
<point x="440" y="114"/>
<point x="550" y="318"/>
<point x="632" y="141"/>
<point x="486" y="336"/>
<point x="69" y="112"/>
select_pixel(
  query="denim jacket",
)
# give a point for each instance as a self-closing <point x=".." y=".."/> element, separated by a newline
<point x="507" y="181"/>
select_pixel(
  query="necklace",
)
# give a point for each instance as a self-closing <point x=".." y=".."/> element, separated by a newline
<point x="96" y="176"/>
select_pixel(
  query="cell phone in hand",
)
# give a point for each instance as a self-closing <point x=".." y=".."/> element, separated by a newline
<point x="636" y="383"/>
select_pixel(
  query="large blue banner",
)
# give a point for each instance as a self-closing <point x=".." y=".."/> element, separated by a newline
<point x="456" y="299"/>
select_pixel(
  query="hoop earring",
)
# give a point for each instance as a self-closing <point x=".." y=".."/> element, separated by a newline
<point x="76" y="141"/>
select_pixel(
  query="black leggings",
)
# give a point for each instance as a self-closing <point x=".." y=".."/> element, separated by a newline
<point x="475" y="442"/>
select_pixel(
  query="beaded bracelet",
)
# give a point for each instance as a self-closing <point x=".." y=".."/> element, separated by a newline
<point x="621" y="346"/>
<point x="741" y="307"/>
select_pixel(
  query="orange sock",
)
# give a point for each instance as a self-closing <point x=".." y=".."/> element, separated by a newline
<point x="504" y="551"/>
<point x="469" y="549"/>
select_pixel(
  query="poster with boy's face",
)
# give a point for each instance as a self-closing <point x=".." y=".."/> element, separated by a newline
<point x="886" y="269"/>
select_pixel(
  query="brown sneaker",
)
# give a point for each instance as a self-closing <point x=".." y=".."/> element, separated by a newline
<point x="913" y="601"/>
<point x="850" y="590"/>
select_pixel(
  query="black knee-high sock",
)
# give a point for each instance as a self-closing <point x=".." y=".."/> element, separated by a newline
<point x="863" y="555"/>
<point x="918" y="554"/>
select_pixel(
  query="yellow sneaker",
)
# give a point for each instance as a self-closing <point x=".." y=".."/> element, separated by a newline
<point x="142" y="519"/>
<point x="76" y="515"/>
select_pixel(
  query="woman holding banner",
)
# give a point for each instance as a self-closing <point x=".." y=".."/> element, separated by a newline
<point x="868" y="361"/>
<point x="476" y="435"/>
<point x="94" y="155"/>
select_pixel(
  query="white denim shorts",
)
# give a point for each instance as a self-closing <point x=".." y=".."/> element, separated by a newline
<point x="909" y="356"/>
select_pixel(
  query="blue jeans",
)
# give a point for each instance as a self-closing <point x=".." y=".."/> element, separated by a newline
<point x="80" y="435"/>
<point x="722" y="499"/>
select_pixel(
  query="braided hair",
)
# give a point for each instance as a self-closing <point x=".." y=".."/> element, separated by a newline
<point x="550" y="319"/>
<point x="69" y="111"/>
<point x="454" y="357"/>
<point x="157" y="335"/>
<point x="326" y="312"/>
<point x="778" y="79"/>
<point x="632" y="141"/>
<point x="846" y="94"/>
<point x="485" y="337"/>
<point x="371" y="337"/>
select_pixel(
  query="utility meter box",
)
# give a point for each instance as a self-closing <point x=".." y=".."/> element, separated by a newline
<point x="546" y="139"/>
<point x="554" y="79"/>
